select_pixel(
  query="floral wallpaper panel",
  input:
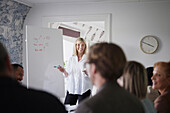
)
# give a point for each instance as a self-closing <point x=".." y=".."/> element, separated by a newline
<point x="12" y="16"/>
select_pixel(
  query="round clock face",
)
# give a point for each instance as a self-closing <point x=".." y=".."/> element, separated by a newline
<point x="149" y="44"/>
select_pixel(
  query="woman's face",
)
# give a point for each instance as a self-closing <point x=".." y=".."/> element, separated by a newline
<point x="80" y="47"/>
<point x="159" y="78"/>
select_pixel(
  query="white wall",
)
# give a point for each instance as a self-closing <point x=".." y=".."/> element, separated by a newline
<point x="130" y="22"/>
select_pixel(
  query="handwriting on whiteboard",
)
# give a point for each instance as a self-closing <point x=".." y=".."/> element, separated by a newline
<point x="41" y="43"/>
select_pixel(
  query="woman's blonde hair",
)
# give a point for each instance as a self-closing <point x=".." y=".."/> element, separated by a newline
<point x="135" y="79"/>
<point x="78" y="41"/>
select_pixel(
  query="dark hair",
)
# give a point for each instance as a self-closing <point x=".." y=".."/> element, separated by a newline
<point x="15" y="66"/>
<point x="3" y="57"/>
<point x="149" y="71"/>
<point x="108" y="58"/>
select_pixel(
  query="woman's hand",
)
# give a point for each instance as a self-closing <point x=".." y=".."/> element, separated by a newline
<point x="61" y="69"/>
<point x="85" y="71"/>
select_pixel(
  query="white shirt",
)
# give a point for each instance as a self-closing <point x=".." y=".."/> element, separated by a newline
<point x="77" y="81"/>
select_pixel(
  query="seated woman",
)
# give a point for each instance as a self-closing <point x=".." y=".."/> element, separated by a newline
<point x="135" y="81"/>
<point x="161" y="81"/>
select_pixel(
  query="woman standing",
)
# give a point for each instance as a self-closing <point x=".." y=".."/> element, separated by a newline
<point x="78" y="83"/>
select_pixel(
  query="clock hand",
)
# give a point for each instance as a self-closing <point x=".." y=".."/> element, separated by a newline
<point x="148" y="44"/>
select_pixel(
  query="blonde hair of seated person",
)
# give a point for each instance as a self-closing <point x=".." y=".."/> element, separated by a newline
<point x="135" y="79"/>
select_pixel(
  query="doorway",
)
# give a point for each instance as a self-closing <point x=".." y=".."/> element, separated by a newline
<point x="93" y="28"/>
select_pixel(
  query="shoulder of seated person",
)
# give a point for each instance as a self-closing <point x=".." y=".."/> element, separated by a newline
<point x="160" y="99"/>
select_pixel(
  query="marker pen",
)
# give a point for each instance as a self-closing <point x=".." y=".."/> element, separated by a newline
<point x="57" y="66"/>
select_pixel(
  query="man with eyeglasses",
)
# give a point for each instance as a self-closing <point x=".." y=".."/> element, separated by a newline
<point x="105" y="63"/>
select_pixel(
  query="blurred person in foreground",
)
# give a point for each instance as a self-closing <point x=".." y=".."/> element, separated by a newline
<point x="15" y="98"/>
<point x="105" y="63"/>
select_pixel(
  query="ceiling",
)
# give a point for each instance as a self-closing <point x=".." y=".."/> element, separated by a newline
<point x="33" y="2"/>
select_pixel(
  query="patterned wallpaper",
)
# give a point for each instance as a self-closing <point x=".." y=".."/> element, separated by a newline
<point x="12" y="16"/>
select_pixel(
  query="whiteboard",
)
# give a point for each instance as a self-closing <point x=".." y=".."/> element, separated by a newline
<point x="44" y="51"/>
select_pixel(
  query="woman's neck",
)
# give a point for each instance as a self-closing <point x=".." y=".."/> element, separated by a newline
<point x="80" y="56"/>
<point x="163" y="90"/>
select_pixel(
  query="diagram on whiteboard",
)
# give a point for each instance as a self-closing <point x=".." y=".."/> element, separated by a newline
<point x="41" y="43"/>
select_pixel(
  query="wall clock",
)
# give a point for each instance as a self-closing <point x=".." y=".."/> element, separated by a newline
<point x="149" y="44"/>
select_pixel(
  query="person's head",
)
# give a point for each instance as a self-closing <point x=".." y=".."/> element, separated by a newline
<point x="161" y="76"/>
<point x="80" y="47"/>
<point x="18" y="72"/>
<point x="105" y="63"/>
<point x="149" y="71"/>
<point x="5" y="66"/>
<point x="135" y="79"/>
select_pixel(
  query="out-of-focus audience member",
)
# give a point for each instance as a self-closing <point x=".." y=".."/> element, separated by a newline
<point x="18" y="72"/>
<point x="161" y="81"/>
<point x="105" y="63"/>
<point x="15" y="98"/>
<point x="135" y="81"/>
<point x="152" y="94"/>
